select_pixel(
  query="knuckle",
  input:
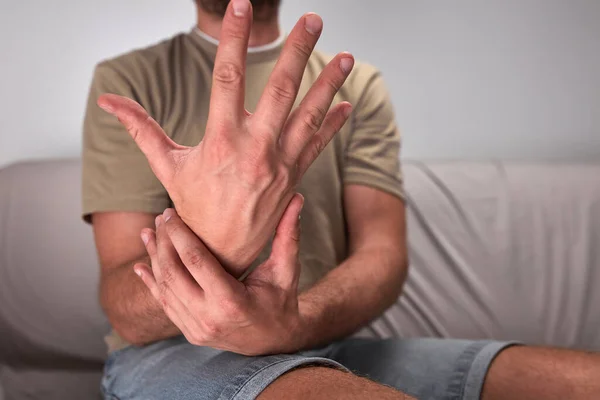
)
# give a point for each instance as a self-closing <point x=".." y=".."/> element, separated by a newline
<point x="193" y="338"/>
<point x="284" y="89"/>
<point x="135" y="128"/>
<point x="235" y="32"/>
<point x="163" y="289"/>
<point x="333" y="85"/>
<point x="318" y="146"/>
<point x="260" y="171"/>
<point x="222" y="145"/>
<point x="198" y="338"/>
<point x="167" y="277"/>
<point x="284" y="177"/>
<point x="228" y="74"/>
<point x="195" y="258"/>
<point x="211" y="329"/>
<point x="313" y="118"/>
<point x="231" y="308"/>
<point x="302" y="49"/>
<point x="311" y="153"/>
<point x="162" y="298"/>
<point x="263" y="178"/>
<point x="263" y="173"/>
<point x="295" y="238"/>
<point x="171" y="228"/>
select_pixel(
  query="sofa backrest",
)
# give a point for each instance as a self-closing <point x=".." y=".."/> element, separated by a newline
<point x="501" y="250"/>
<point x="48" y="267"/>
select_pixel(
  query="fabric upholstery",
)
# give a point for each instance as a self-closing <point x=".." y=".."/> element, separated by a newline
<point x="48" y="267"/>
<point x="503" y="251"/>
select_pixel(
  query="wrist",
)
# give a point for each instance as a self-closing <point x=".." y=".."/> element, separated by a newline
<point x="304" y="331"/>
<point x="296" y="336"/>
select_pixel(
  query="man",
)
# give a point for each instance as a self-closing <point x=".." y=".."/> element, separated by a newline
<point x="216" y="314"/>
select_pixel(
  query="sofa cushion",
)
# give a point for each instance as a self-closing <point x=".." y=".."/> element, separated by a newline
<point x="48" y="268"/>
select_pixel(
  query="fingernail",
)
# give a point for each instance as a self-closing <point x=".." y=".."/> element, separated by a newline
<point x="106" y="107"/>
<point x="158" y="220"/>
<point x="347" y="111"/>
<point x="240" y="7"/>
<point x="168" y="214"/>
<point x="145" y="238"/>
<point x="137" y="272"/>
<point x="346" y="65"/>
<point x="313" y="24"/>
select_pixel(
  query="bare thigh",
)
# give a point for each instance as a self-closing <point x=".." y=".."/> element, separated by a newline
<point x="325" y="383"/>
<point x="541" y="373"/>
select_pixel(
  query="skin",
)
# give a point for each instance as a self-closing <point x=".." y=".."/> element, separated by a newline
<point x="252" y="164"/>
<point x="531" y="373"/>
<point x="140" y="318"/>
<point x="323" y="383"/>
<point x="192" y="270"/>
<point x="247" y="164"/>
<point x="262" y="31"/>
<point x="254" y="317"/>
<point x="264" y="314"/>
<point x="264" y="11"/>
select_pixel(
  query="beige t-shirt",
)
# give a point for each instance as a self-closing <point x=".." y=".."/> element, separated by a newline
<point x="172" y="81"/>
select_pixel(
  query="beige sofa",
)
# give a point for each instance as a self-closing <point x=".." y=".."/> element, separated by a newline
<point x="506" y="251"/>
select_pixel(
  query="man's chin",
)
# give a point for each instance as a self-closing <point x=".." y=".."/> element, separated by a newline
<point x="263" y="9"/>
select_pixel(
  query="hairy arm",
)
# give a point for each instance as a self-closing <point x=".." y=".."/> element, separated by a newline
<point x="370" y="279"/>
<point x="231" y="189"/>
<point x="132" y="311"/>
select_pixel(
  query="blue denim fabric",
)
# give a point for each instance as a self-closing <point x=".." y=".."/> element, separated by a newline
<point x="174" y="369"/>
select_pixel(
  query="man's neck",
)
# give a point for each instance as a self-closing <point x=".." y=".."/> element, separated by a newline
<point x="262" y="33"/>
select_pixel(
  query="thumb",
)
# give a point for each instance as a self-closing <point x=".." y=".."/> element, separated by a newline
<point x="286" y="244"/>
<point x="147" y="134"/>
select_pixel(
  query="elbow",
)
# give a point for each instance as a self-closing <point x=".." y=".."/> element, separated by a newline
<point x="125" y="330"/>
<point x="130" y="335"/>
<point x="119" y="323"/>
<point x="404" y="265"/>
<point x="399" y="275"/>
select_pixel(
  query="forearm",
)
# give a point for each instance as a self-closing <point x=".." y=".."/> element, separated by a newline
<point x="130" y="307"/>
<point x="350" y="296"/>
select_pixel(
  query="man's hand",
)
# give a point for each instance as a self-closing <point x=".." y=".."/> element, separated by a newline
<point x="211" y="308"/>
<point x="233" y="188"/>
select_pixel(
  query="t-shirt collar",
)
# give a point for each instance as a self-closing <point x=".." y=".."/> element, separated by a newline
<point x="256" y="54"/>
<point x="253" y="49"/>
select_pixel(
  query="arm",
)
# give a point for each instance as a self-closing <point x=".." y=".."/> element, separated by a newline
<point x="132" y="311"/>
<point x="231" y="189"/>
<point x="120" y="196"/>
<point x="263" y="314"/>
<point x="211" y="308"/>
<point x="370" y="280"/>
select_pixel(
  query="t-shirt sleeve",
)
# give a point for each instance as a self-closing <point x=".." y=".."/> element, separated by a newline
<point x="373" y="150"/>
<point x="116" y="175"/>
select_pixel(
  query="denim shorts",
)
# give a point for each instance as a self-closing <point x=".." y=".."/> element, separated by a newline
<point x="175" y="369"/>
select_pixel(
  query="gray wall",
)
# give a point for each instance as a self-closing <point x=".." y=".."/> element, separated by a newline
<point x="516" y="79"/>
